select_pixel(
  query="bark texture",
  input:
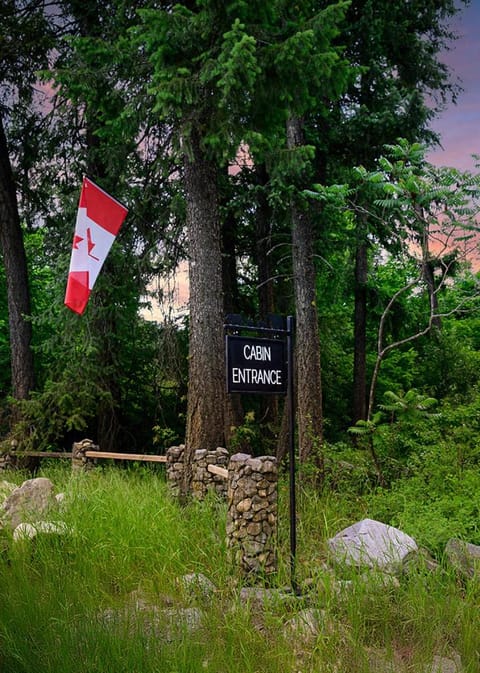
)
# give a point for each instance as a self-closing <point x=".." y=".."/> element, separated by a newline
<point x="263" y="224"/>
<point x="307" y="346"/>
<point x="269" y="404"/>
<point x="428" y="272"/>
<point x="18" y="295"/>
<point x="206" y="392"/>
<point x="234" y="416"/>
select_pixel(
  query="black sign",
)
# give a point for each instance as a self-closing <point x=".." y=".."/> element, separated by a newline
<point x="256" y="365"/>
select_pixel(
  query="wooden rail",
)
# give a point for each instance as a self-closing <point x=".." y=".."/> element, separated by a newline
<point x="216" y="469"/>
<point x="43" y="454"/>
<point x="93" y="454"/>
<point x="125" y="456"/>
<point x="213" y="469"/>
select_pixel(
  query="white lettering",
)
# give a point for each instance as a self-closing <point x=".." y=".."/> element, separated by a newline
<point x="271" y="377"/>
<point x="257" y="352"/>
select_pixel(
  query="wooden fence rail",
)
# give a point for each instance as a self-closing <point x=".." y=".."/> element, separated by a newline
<point x="93" y="454"/>
<point x="126" y="456"/>
<point x="42" y="454"/>
<point x="220" y="471"/>
<point x="141" y="457"/>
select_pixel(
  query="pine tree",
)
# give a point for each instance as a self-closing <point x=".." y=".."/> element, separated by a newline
<point x="24" y="49"/>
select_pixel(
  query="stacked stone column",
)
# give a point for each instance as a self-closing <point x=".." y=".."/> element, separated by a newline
<point x="8" y="459"/>
<point x="175" y="467"/>
<point x="252" y="513"/>
<point x="79" y="460"/>
<point x="202" y="479"/>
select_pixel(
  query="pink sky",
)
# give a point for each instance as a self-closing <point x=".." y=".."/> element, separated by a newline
<point x="459" y="125"/>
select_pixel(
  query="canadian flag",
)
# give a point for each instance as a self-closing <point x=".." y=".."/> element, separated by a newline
<point x="99" y="219"/>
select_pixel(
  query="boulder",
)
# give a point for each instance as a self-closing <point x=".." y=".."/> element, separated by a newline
<point x="258" y="599"/>
<point x="463" y="556"/>
<point x="29" y="501"/>
<point x="380" y="661"/>
<point x="441" y="664"/>
<point x="372" y="544"/>
<point x="168" y="625"/>
<point x="305" y="625"/>
<point x="198" y="585"/>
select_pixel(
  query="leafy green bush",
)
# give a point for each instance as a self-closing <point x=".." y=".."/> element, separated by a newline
<point x="435" y="502"/>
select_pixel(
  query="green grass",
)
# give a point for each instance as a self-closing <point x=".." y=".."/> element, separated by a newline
<point x="84" y="602"/>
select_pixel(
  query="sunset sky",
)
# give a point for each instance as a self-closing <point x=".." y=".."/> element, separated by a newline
<point x="459" y="125"/>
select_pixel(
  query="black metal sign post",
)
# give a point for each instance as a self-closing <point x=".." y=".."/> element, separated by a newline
<point x="291" y="453"/>
<point x="265" y="365"/>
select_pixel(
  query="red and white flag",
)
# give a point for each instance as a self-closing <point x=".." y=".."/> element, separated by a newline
<point x="99" y="219"/>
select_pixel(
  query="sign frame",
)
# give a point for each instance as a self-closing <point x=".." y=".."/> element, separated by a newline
<point x="256" y="365"/>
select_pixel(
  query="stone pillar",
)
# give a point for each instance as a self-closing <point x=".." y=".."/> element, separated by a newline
<point x="79" y="459"/>
<point x="8" y="459"/>
<point x="175" y="467"/>
<point x="252" y="513"/>
<point x="203" y="480"/>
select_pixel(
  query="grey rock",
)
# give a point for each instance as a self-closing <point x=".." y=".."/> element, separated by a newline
<point x="306" y="624"/>
<point x="27" y="531"/>
<point x="29" y="501"/>
<point x="445" y="664"/>
<point x="167" y="625"/>
<point x="181" y="622"/>
<point x="6" y="489"/>
<point x="258" y="597"/>
<point x="197" y="584"/>
<point x="373" y="544"/>
<point x="463" y="556"/>
<point x="240" y="457"/>
<point x="418" y="561"/>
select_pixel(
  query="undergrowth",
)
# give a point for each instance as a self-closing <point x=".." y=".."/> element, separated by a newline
<point x="83" y="601"/>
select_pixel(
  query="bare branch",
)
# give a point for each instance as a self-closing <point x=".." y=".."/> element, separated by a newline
<point x="393" y="299"/>
<point x="272" y="278"/>
<point x="383" y="351"/>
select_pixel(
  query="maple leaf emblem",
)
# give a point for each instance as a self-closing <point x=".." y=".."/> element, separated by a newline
<point x="90" y="244"/>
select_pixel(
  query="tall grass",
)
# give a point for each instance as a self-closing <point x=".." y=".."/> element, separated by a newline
<point x="101" y="598"/>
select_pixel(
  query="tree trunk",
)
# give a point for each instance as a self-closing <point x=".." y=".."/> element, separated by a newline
<point x="263" y="223"/>
<point x="206" y="385"/>
<point x="428" y="276"/>
<point x="307" y="346"/>
<point x="360" y="335"/>
<point x="229" y="265"/>
<point x="16" y="272"/>
<point x="269" y="404"/>
<point x="432" y="295"/>
<point x="234" y="416"/>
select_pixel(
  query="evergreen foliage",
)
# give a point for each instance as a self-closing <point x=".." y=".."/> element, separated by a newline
<point x="131" y="87"/>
